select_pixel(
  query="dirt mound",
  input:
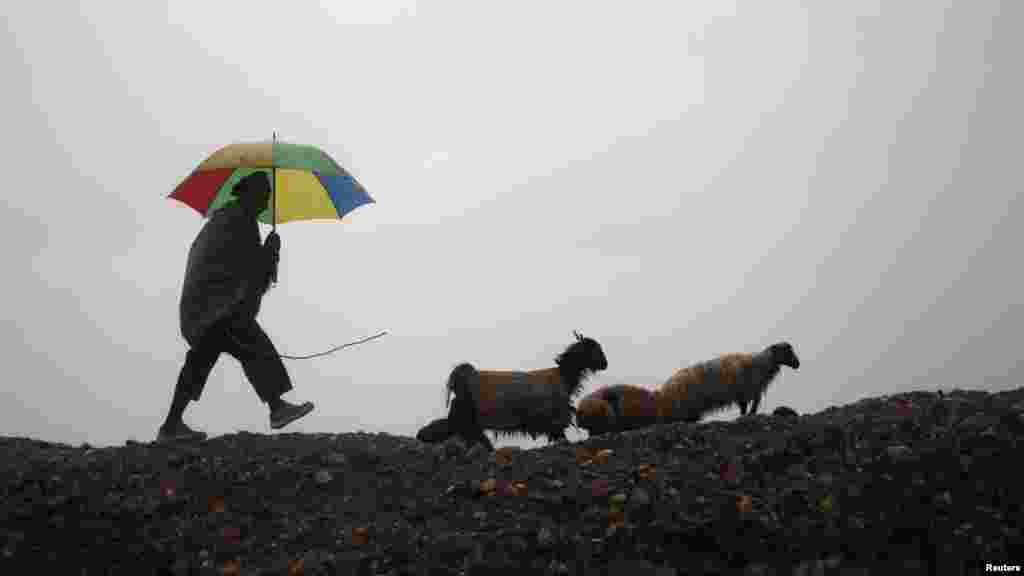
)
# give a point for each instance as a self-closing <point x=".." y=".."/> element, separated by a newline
<point x="918" y="482"/>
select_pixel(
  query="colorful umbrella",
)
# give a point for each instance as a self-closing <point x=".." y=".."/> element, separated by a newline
<point x="312" y="185"/>
<point x="307" y="184"/>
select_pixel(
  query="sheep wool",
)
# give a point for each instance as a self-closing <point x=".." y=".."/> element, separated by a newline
<point x="508" y="400"/>
<point x="617" y="408"/>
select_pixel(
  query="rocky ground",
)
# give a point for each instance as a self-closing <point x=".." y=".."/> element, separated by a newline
<point x="918" y="482"/>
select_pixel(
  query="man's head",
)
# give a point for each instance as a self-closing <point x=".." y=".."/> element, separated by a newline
<point x="253" y="192"/>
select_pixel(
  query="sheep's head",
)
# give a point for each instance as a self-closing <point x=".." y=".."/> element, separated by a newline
<point x="589" y="352"/>
<point x="784" y="355"/>
<point x="582" y="357"/>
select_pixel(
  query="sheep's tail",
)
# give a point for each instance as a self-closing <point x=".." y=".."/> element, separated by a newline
<point x="458" y="382"/>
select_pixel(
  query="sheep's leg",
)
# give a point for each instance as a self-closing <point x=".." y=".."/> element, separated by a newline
<point x="473" y="436"/>
<point x="555" y="431"/>
<point x="471" y="433"/>
<point x="757" y="400"/>
<point x="557" y="436"/>
<point x="743" y="407"/>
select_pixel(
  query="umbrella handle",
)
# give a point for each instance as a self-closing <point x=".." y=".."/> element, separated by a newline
<point x="276" y="255"/>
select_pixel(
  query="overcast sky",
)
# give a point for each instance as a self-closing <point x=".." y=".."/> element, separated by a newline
<point x="676" y="180"/>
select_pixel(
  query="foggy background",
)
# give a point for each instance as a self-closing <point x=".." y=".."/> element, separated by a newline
<point x="676" y="180"/>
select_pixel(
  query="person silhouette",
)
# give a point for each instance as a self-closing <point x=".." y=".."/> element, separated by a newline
<point x="226" y="276"/>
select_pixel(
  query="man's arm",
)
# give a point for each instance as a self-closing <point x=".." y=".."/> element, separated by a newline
<point x="270" y="256"/>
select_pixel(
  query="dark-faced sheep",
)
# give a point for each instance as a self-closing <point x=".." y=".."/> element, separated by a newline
<point x="716" y="384"/>
<point x="533" y="403"/>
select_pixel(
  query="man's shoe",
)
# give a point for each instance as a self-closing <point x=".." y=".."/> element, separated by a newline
<point x="178" y="433"/>
<point x="289" y="413"/>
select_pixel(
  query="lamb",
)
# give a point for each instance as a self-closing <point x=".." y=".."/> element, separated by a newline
<point x="617" y="408"/>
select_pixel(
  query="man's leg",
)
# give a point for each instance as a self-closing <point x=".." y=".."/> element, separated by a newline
<point x="192" y="378"/>
<point x="266" y="372"/>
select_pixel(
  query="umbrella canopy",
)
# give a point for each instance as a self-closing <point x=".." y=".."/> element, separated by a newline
<point x="307" y="183"/>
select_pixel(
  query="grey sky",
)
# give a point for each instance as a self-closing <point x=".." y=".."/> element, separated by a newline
<point x="677" y="180"/>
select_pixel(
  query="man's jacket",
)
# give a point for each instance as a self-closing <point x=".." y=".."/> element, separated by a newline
<point x="227" y="273"/>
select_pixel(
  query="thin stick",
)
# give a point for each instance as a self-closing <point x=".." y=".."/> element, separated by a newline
<point x="307" y="356"/>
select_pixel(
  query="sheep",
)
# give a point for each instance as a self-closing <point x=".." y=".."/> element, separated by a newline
<point x="617" y="408"/>
<point x="716" y="384"/>
<point x="536" y="402"/>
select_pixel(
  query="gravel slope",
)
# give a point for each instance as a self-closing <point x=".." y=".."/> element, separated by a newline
<point x="917" y="482"/>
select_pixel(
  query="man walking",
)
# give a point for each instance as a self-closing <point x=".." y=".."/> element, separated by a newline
<point x="227" y="274"/>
